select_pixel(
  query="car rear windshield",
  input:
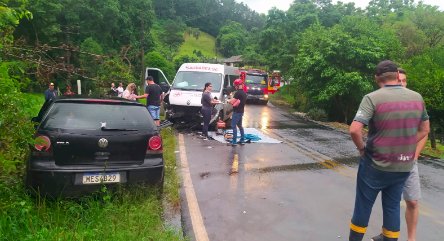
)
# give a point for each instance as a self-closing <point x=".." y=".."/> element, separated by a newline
<point x="256" y="79"/>
<point x="196" y="80"/>
<point x="95" y="116"/>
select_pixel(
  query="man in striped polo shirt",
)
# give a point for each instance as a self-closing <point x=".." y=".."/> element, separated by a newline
<point x="412" y="186"/>
<point x="397" y="120"/>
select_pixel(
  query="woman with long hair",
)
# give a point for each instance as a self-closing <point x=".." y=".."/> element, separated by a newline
<point x="129" y="92"/>
<point x="207" y="106"/>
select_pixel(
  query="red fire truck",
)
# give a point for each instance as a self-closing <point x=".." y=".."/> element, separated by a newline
<point x="259" y="84"/>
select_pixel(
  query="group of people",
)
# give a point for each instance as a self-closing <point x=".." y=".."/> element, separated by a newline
<point x="51" y="92"/>
<point x="398" y="125"/>
<point x="238" y="102"/>
<point x="117" y="91"/>
<point x="153" y="94"/>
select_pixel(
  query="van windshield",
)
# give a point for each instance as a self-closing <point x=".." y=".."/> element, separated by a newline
<point x="186" y="80"/>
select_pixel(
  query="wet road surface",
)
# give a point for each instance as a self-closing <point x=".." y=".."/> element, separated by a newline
<point x="302" y="189"/>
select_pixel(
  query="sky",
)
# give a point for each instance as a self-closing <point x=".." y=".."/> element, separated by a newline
<point x="262" y="6"/>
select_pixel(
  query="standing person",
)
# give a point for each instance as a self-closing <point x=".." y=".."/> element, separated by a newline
<point x="113" y="90"/>
<point x="238" y="102"/>
<point x="412" y="187"/>
<point x="397" y="120"/>
<point x="207" y="106"/>
<point x="129" y="92"/>
<point x="68" y="91"/>
<point x="153" y="95"/>
<point x="120" y="90"/>
<point x="50" y="93"/>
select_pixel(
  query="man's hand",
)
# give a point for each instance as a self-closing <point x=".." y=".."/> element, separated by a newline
<point x="356" y="135"/>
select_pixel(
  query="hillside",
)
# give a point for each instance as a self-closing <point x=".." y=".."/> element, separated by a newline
<point x="205" y="43"/>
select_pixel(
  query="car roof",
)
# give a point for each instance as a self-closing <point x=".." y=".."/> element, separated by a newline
<point x="98" y="100"/>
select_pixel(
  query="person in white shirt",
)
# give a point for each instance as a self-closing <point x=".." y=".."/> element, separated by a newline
<point x="120" y="90"/>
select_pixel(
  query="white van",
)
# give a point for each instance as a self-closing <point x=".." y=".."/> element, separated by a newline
<point x="183" y="100"/>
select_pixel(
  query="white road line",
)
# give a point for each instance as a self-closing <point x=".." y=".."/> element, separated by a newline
<point x="200" y="233"/>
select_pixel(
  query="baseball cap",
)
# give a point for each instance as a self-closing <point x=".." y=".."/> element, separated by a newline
<point x="386" y="66"/>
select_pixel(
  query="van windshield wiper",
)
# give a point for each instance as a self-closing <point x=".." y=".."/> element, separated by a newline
<point x="116" y="129"/>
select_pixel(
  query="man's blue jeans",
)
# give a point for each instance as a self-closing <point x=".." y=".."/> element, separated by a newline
<point x="369" y="183"/>
<point x="236" y="120"/>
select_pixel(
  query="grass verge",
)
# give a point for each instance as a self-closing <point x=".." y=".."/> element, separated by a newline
<point x="171" y="185"/>
<point x="438" y="153"/>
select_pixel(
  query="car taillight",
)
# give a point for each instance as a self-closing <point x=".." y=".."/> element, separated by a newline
<point x="42" y="143"/>
<point x="155" y="143"/>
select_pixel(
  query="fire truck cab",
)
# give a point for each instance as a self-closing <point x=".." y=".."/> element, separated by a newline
<point x="259" y="84"/>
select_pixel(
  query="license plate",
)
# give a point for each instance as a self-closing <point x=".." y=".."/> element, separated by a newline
<point x="95" y="178"/>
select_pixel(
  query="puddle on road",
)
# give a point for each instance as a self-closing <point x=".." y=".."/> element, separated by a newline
<point x="295" y="167"/>
<point x="313" y="166"/>
<point x="277" y="125"/>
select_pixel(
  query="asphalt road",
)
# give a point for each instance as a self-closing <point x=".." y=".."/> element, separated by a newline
<point x="301" y="189"/>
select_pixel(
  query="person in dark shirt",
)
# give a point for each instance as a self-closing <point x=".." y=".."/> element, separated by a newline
<point x="207" y="106"/>
<point x="153" y="95"/>
<point x="50" y="93"/>
<point x="238" y="102"/>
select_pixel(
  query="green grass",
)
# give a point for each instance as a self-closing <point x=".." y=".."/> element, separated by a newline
<point x="438" y="153"/>
<point x="132" y="213"/>
<point x="171" y="185"/>
<point x="34" y="103"/>
<point x="128" y="214"/>
<point x="205" y="43"/>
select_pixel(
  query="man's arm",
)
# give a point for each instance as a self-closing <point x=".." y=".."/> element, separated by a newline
<point x="421" y="137"/>
<point x="421" y="144"/>
<point x="356" y="135"/>
<point x="423" y="130"/>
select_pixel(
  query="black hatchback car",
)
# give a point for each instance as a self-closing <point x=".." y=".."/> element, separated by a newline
<point x="84" y="143"/>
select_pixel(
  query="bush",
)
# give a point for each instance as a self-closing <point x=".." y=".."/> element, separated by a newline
<point x="317" y="114"/>
<point x="16" y="128"/>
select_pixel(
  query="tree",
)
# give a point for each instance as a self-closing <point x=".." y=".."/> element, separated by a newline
<point x="231" y="39"/>
<point x="335" y="66"/>
<point x="157" y="60"/>
<point x="431" y="21"/>
<point x="15" y="127"/>
<point x="426" y="74"/>
<point x="172" y="36"/>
